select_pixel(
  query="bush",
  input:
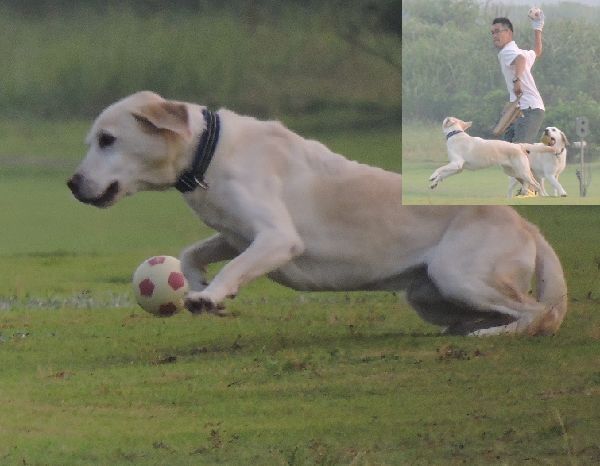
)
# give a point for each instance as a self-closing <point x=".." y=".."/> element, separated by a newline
<point x="289" y="60"/>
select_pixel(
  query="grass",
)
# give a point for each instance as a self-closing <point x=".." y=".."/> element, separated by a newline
<point x="488" y="186"/>
<point x="292" y="378"/>
<point x="298" y="380"/>
<point x="424" y="150"/>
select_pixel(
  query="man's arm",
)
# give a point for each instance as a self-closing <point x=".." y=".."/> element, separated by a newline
<point x="537" y="42"/>
<point x="519" y="63"/>
<point x="538" y="25"/>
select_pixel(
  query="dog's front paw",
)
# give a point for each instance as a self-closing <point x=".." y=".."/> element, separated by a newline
<point x="434" y="181"/>
<point x="198" y="302"/>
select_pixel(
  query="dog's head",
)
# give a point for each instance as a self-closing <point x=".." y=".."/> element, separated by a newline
<point x="554" y="137"/>
<point x="454" y="124"/>
<point x="134" y="145"/>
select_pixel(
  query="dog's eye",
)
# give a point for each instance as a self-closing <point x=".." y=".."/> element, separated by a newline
<point x="105" y="140"/>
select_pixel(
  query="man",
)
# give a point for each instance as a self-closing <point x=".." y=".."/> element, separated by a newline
<point x="516" y="65"/>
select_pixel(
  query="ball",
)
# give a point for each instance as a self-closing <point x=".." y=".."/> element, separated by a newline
<point x="160" y="286"/>
<point x="534" y="13"/>
<point x="546" y="140"/>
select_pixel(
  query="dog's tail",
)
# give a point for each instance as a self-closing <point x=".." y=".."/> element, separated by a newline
<point x="550" y="286"/>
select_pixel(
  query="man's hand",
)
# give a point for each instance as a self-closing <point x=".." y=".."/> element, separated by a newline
<point x="538" y="24"/>
<point x="517" y="89"/>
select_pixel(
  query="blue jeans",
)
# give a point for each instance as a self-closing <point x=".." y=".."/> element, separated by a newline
<point x="527" y="127"/>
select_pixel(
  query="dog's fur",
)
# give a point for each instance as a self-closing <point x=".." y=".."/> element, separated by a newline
<point x="473" y="153"/>
<point x="545" y="164"/>
<point x="310" y="219"/>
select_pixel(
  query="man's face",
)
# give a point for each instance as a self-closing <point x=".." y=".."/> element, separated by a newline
<point x="501" y="35"/>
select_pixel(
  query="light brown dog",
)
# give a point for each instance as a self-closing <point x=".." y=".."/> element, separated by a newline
<point x="310" y="219"/>
<point x="474" y="153"/>
<point x="547" y="159"/>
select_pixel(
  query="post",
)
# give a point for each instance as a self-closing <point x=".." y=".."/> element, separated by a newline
<point x="582" y="130"/>
<point x="582" y="190"/>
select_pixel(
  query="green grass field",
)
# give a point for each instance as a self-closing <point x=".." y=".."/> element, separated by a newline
<point x="292" y="378"/>
<point x="424" y="150"/>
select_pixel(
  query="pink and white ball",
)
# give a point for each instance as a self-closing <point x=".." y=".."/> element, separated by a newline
<point x="534" y="13"/>
<point x="159" y="286"/>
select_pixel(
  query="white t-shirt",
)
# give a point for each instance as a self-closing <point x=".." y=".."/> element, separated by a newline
<point x="531" y="96"/>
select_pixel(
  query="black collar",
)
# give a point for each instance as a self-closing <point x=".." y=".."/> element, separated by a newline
<point x="194" y="177"/>
<point x="452" y="133"/>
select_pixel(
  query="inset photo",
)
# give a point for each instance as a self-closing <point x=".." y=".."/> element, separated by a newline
<point x="500" y="103"/>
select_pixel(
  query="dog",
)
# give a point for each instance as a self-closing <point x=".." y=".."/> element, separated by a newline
<point x="310" y="219"/>
<point x="545" y="165"/>
<point x="473" y="153"/>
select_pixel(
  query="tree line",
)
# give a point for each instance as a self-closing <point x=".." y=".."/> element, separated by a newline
<point x="450" y="66"/>
<point x="64" y="59"/>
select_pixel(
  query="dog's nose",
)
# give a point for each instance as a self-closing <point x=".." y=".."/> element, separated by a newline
<point x="74" y="183"/>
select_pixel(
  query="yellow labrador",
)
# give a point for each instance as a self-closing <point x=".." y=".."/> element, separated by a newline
<point x="310" y="219"/>
<point x="546" y="164"/>
<point x="473" y="153"/>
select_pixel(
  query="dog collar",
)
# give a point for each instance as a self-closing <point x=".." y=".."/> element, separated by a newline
<point x="453" y="133"/>
<point x="194" y="177"/>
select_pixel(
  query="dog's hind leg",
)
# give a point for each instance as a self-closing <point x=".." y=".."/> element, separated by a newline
<point x="445" y="171"/>
<point x="455" y="317"/>
<point x="492" y="309"/>
<point x="521" y="170"/>
<point x="488" y="271"/>
<point x="483" y="308"/>
<point x="532" y="182"/>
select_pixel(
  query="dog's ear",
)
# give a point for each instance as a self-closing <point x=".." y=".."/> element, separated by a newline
<point x="565" y="140"/>
<point x="166" y="115"/>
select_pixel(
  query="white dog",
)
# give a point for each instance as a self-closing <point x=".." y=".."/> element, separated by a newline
<point x="310" y="219"/>
<point x="473" y="153"/>
<point x="545" y="165"/>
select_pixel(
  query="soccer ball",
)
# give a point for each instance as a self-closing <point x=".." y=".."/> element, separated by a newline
<point x="534" y="13"/>
<point x="159" y="286"/>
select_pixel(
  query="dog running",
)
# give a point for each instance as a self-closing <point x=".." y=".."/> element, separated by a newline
<point x="310" y="219"/>
<point x="474" y="153"/>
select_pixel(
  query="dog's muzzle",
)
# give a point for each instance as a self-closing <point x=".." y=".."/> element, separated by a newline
<point x="547" y="139"/>
<point x="76" y="184"/>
